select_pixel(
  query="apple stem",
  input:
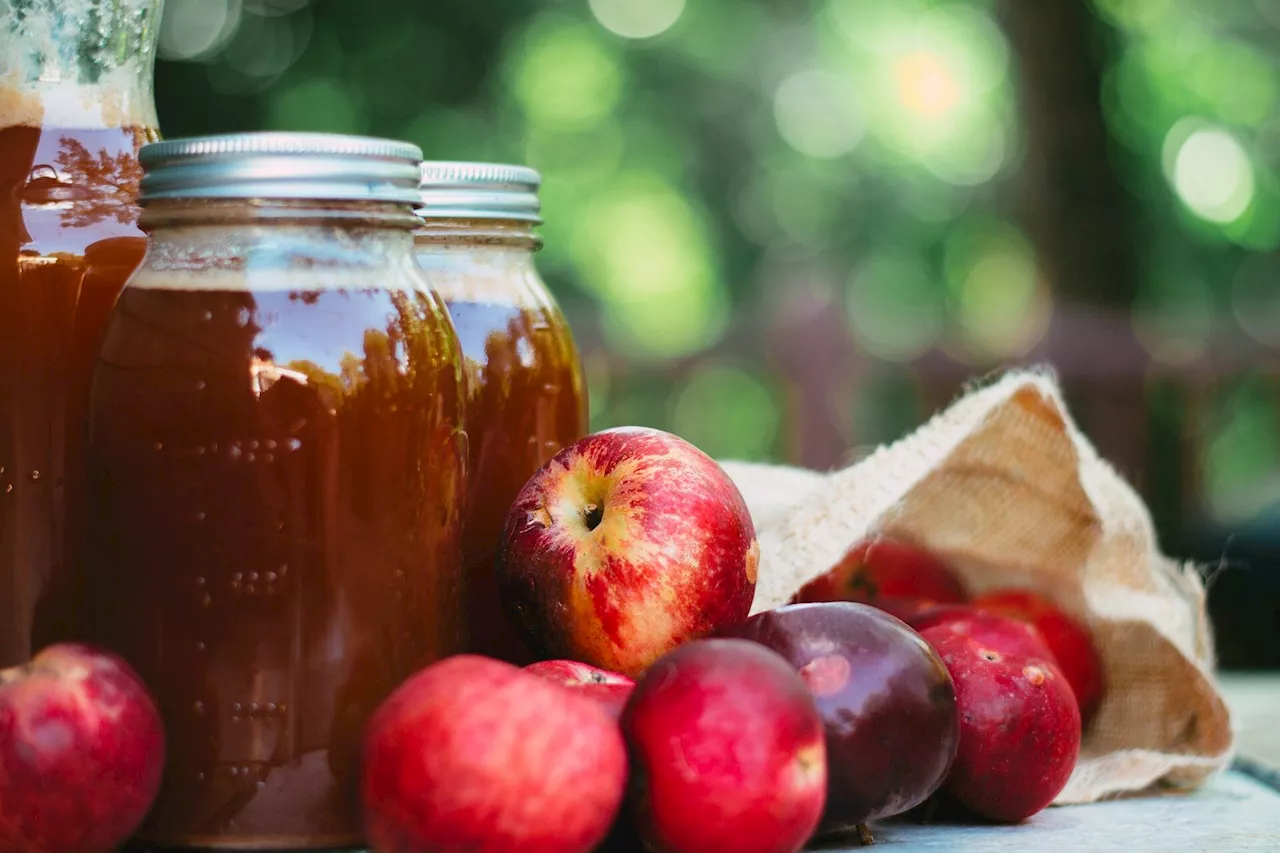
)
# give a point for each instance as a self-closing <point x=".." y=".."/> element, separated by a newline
<point x="592" y="514"/>
<point x="864" y="835"/>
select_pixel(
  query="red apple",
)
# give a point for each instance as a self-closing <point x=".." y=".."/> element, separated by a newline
<point x="81" y="752"/>
<point x="623" y="546"/>
<point x="727" y="748"/>
<point x="1007" y="636"/>
<point x="886" y="701"/>
<point x="908" y="609"/>
<point x="610" y="689"/>
<point x="883" y="568"/>
<point x="1070" y="642"/>
<point x="473" y="754"/>
<point x="1019" y="728"/>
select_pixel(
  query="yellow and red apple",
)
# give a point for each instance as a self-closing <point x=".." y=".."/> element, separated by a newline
<point x="623" y="546"/>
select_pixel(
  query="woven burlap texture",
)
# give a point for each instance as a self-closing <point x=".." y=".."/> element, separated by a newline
<point x="1005" y="487"/>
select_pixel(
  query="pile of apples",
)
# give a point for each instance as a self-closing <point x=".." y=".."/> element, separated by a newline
<point x="661" y="715"/>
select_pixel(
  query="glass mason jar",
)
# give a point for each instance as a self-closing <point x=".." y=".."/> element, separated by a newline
<point x="76" y="104"/>
<point x="526" y="398"/>
<point x="277" y="465"/>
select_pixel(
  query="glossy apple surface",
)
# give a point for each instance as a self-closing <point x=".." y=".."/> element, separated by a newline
<point x="1005" y="635"/>
<point x="1019" y="733"/>
<point x="883" y="568"/>
<point x="728" y="751"/>
<point x="1069" y="640"/>
<point x="474" y="754"/>
<point x="886" y="700"/>
<point x="81" y="752"/>
<point x="623" y="546"/>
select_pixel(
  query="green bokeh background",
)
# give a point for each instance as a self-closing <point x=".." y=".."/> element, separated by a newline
<point x="790" y="230"/>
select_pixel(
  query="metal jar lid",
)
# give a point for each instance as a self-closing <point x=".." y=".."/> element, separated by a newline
<point x="479" y="191"/>
<point x="313" y="166"/>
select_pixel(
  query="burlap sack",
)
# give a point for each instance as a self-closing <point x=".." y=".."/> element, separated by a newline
<point x="1004" y="486"/>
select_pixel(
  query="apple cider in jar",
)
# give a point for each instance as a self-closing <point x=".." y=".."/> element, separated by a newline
<point x="76" y="104"/>
<point x="525" y="394"/>
<point x="277" y="468"/>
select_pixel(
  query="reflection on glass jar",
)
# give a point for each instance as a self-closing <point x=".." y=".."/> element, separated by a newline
<point x="76" y="104"/>
<point x="526" y="398"/>
<point x="278" y="468"/>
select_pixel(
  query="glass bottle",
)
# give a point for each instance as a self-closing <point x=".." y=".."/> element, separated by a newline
<point x="76" y="104"/>
<point x="526" y="398"/>
<point x="277" y="466"/>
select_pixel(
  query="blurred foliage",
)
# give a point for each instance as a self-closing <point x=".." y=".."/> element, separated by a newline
<point x="714" y="169"/>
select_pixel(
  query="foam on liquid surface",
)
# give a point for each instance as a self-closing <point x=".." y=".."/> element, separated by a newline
<point x="481" y="275"/>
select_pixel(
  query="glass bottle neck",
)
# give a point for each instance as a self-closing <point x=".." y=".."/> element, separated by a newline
<point x="83" y="64"/>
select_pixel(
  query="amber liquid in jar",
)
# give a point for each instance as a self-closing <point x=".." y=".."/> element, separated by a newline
<point x="526" y="397"/>
<point x="68" y="240"/>
<point x="277" y="462"/>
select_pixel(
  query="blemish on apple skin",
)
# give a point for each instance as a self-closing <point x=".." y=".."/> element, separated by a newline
<point x="753" y="561"/>
<point x="1034" y="674"/>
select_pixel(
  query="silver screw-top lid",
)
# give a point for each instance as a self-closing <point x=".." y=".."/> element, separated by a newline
<point x="313" y="166"/>
<point x="480" y="191"/>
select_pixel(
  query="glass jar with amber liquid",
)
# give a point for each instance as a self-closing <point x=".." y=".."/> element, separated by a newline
<point x="526" y="398"/>
<point x="277" y="470"/>
<point x="76" y="104"/>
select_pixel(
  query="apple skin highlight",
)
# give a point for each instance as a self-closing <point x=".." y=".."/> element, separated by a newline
<point x="623" y="546"/>
<point x="82" y="751"/>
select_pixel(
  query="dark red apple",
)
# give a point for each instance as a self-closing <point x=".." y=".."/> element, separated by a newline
<point x="1007" y="636"/>
<point x="887" y="704"/>
<point x="81" y="752"/>
<point x="623" y="546"/>
<point x="883" y="568"/>
<point x="473" y="754"/>
<point x="727" y="750"/>
<point x="1019" y="729"/>
<point x="1070" y="641"/>
<point x="610" y="689"/>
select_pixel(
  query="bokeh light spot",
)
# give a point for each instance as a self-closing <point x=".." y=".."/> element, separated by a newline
<point x="317" y="104"/>
<point x="936" y="86"/>
<point x="564" y="77"/>
<point x="1242" y="464"/>
<point x="1255" y="299"/>
<point x="726" y="412"/>
<point x="1138" y="15"/>
<point x="1173" y="316"/>
<point x="637" y="19"/>
<point x="816" y="114"/>
<point x="266" y="46"/>
<point x="895" y="307"/>
<point x="643" y="249"/>
<point x="1209" y="170"/>
<point x="926" y="86"/>
<point x="194" y="29"/>
<point x="1002" y="305"/>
